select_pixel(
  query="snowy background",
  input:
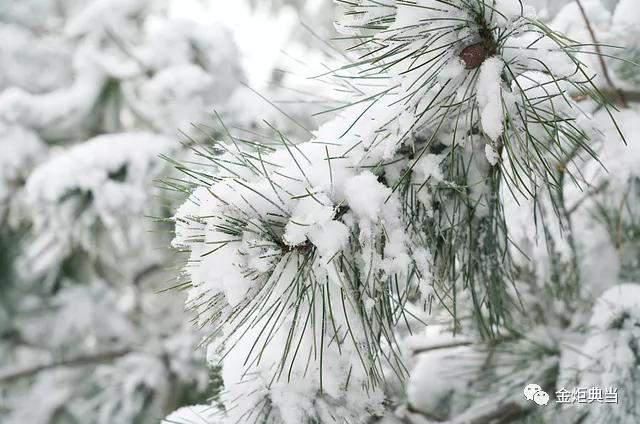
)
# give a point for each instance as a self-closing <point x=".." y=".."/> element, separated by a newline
<point x="101" y="104"/>
<point x="96" y="99"/>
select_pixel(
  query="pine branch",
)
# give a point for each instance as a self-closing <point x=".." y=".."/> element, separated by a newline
<point x="433" y="347"/>
<point x="509" y="412"/>
<point x="613" y="94"/>
<point x="9" y="374"/>
<point x="518" y="110"/>
<point x="619" y="94"/>
<point x="504" y="413"/>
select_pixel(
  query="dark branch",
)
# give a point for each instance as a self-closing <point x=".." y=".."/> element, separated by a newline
<point x="613" y="94"/>
<point x="9" y="375"/>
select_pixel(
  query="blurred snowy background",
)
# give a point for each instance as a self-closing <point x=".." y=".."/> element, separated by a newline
<point x="93" y="95"/>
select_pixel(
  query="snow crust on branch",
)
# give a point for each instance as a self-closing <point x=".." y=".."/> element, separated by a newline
<point x="98" y="184"/>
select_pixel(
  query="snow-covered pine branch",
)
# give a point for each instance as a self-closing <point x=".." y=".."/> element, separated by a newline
<point x="448" y="192"/>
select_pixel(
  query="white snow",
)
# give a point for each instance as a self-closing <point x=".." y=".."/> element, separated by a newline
<point x="490" y="97"/>
<point x="108" y="176"/>
<point x="619" y="303"/>
<point x="310" y="260"/>
<point x="493" y="157"/>
<point x="365" y="195"/>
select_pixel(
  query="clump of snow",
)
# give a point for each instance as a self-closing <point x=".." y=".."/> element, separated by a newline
<point x="490" y="97"/>
<point x="619" y="303"/>
<point x="91" y="165"/>
<point x="330" y="238"/>
<point x="56" y="114"/>
<point x="307" y="216"/>
<point x="366" y="196"/>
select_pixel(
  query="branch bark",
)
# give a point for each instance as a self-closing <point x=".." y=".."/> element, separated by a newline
<point x="442" y="346"/>
<point x="8" y="375"/>
<point x="614" y="94"/>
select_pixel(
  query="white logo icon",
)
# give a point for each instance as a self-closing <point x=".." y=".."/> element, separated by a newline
<point x="535" y="393"/>
<point x="531" y="390"/>
<point x="541" y="398"/>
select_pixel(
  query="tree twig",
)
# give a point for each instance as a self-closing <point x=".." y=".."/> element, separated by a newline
<point x="429" y="348"/>
<point x="142" y="274"/>
<point x="613" y="94"/>
<point x="587" y="194"/>
<point x="9" y="374"/>
<point x="621" y="96"/>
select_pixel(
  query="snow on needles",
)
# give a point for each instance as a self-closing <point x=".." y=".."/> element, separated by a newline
<point x="489" y="97"/>
<point x="306" y="259"/>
